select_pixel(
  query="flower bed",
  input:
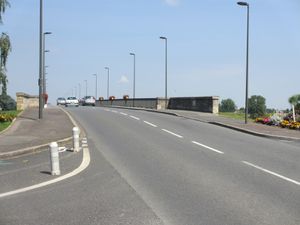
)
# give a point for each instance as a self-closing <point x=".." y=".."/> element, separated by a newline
<point x="4" y="117"/>
<point x="276" y="120"/>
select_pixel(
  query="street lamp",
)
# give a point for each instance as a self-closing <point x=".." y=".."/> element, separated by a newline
<point x="79" y="90"/>
<point x="44" y="67"/>
<point x="41" y="63"/>
<point x="247" y="59"/>
<point x="166" y="70"/>
<point x="107" y="68"/>
<point x="85" y="87"/>
<point x="133" y="54"/>
<point x="96" y="76"/>
<point x="44" y="71"/>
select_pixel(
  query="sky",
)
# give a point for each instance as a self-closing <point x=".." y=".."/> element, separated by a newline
<point x="206" y="48"/>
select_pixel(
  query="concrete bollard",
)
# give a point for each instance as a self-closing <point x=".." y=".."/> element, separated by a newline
<point x="55" y="170"/>
<point x="76" y="133"/>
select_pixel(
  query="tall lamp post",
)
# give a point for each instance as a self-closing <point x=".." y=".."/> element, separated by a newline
<point x="44" y="66"/>
<point x="96" y="76"/>
<point x="44" y="74"/>
<point x="247" y="59"/>
<point x="166" y="70"/>
<point x="133" y="54"/>
<point x="79" y="90"/>
<point x="107" y="68"/>
<point x="85" y="87"/>
<point x="41" y="63"/>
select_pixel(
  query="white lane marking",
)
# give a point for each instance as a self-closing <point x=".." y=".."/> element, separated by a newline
<point x="272" y="173"/>
<point x="84" y="164"/>
<point x="114" y="111"/>
<point x="151" y="124"/>
<point x="170" y="132"/>
<point x="124" y="114"/>
<point x="107" y="110"/>
<point x="205" y="146"/>
<point x="133" y="117"/>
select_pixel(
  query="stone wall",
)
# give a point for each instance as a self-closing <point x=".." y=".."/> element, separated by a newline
<point x="26" y="101"/>
<point x="150" y="103"/>
<point x="202" y="104"/>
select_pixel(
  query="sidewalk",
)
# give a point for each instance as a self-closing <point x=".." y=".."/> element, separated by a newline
<point x="28" y="131"/>
<point x="251" y="127"/>
<point x="239" y="125"/>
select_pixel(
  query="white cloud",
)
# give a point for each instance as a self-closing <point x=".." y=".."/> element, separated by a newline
<point x="172" y="2"/>
<point x="123" y="79"/>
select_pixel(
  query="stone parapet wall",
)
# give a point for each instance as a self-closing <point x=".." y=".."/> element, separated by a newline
<point x="149" y="103"/>
<point x="26" y="101"/>
<point x="208" y="104"/>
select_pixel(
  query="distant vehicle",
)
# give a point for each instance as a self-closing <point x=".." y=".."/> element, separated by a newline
<point x="60" y="101"/>
<point x="89" y="100"/>
<point x="72" y="101"/>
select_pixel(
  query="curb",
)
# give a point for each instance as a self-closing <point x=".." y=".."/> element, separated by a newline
<point x="255" y="133"/>
<point x="39" y="148"/>
<point x="277" y="137"/>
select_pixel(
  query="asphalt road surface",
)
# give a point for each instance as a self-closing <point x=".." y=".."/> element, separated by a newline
<point x="150" y="168"/>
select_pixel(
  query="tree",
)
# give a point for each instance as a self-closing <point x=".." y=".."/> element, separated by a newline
<point x="3" y="5"/>
<point x="257" y="106"/>
<point x="5" y="48"/>
<point x="227" y="105"/>
<point x="294" y="101"/>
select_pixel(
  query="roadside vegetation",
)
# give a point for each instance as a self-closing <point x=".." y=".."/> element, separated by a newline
<point x="7" y="117"/>
<point x="258" y="112"/>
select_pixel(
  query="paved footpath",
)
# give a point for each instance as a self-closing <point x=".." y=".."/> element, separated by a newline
<point x="251" y="127"/>
<point x="28" y="131"/>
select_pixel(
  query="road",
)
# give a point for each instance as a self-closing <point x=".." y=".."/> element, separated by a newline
<point x="150" y="168"/>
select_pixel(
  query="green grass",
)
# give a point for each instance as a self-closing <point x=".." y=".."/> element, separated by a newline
<point x="4" y="125"/>
<point x="232" y="115"/>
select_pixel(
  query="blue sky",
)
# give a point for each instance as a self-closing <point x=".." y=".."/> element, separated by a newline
<point x="206" y="47"/>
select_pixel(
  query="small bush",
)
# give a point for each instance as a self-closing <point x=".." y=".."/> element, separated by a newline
<point x="7" y="103"/>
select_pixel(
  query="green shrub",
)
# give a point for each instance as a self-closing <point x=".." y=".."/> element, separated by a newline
<point x="7" y="103"/>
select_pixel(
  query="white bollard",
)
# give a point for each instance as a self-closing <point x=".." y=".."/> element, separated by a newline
<point x="76" y="133"/>
<point x="54" y="159"/>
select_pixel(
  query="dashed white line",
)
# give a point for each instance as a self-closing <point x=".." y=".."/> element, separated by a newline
<point x="272" y="173"/>
<point x="114" y="111"/>
<point x="133" y="117"/>
<point x="170" y="132"/>
<point x="151" y="124"/>
<point x="124" y="114"/>
<point x="205" y="146"/>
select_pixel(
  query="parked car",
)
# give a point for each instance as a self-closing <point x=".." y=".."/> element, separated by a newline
<point x="72" y="101"/>
<point x="60" y="101"/>
<point x="89" y="100"/>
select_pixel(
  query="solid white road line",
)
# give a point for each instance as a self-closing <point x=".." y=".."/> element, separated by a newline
<point x="84" y="164"/>
<point x="205" y="146"/>
<point x="133" y="117"/>
<point x="151" y="124"/>
<point x="124" y="114"/>
<point x="170" y="132"/>
<point x="272" y="173"/>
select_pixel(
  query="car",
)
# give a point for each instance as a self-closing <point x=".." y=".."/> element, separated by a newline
<point x="72" y="101"/>
<point x="89" y="100"/>
<point x="60" y="101"/>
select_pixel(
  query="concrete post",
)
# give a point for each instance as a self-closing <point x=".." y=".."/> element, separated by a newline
<point x="76" y="133"/>
<point x="55" y="170"/>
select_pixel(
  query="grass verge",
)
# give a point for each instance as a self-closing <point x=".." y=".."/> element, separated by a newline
<point x="233" y="115"/>
<point x="14" y="113"/>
